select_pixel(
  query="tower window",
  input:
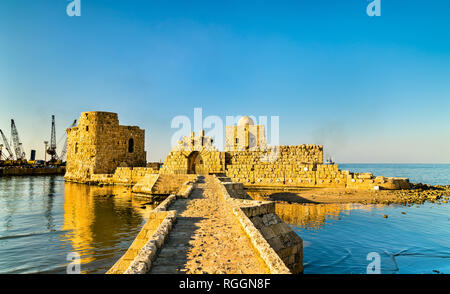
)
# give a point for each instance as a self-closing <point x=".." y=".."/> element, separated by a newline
<point x="130" y="145"/>
<point x="76" y="147"/>
<point x="237" y="140"/>
<point x="87" y="128"/>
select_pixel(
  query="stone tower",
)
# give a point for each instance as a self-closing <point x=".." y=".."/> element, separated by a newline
<point x="98" y="145"/>
<point x="245" y="136"/>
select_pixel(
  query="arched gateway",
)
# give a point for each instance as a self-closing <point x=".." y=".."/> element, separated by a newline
<point x="195" y="163"/>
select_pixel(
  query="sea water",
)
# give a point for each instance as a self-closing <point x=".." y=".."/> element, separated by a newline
<point x="43" y="220"/>
<point x="340" y="239"/>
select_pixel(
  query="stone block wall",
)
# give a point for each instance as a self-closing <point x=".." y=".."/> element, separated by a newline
<point x="176" y="163"/>
<point x="236" y="190"/>
<point x="289" y="169"/>
<point x="145" y="185"/>
<point x="283" y="240"/>
<point x="162" y="183"/>
<point x="212" y="162"/>
<point x="278" y="245"/>
<point x="294" y="165"/>
<point x="139" y="256"/>
<point x="329" y="175"/>
<point x="142" y="252"/>
<point x="200" y="162"/>
<point x="98" y="145"/>
<point x="195" y="154"/>
<point x="369" y="181"/>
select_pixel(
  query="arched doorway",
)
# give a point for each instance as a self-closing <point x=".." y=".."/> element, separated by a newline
<point x="191" y="162"/>
<point x="195" y="163"/>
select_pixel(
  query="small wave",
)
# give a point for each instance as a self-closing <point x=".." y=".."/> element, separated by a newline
<point x="404" y="252"/>
<point x="349" y="254"/>
<point x="30" y="234"/>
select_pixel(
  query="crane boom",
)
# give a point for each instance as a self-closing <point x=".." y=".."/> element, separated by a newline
<point x="52" y="149"/>
<point x="64" y="150"/>
<point x="16" y="141"/>
<point x="8" y="148"/>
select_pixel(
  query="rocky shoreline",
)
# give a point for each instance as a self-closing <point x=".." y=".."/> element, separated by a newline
<point x="418" y="194"/>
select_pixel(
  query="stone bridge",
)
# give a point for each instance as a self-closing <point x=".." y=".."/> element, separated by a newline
<point x="212" y="226"/>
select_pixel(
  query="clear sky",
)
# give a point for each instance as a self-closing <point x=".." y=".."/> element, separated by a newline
<point x="370" y="89"/>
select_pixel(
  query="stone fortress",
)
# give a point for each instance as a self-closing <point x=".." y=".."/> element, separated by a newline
<point x="98" y="145"/>
<point x="99" y="150"/>
<point x="249" y="160"/>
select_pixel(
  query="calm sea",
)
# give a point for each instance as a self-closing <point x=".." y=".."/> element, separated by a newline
<point x="344" y="238"/>
<point x="433" y="174"/>
<point x="43" y="219"/>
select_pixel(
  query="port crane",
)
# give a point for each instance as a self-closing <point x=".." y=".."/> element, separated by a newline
<point x="18" y="149"/>
<point x="64" y="149"/>
<point x="7" y="147"/>
<point x="13" y="153"/>
<point x="52" y="149"/>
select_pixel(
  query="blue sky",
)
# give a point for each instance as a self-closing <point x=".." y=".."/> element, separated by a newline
<point x="370" y="89"/>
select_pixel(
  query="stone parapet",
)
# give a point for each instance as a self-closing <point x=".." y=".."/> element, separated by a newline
<point x="138" y="258"/>
<point x="279" y="246"/>
<point x="163" y="206"/>
<point x="146" y="184"/>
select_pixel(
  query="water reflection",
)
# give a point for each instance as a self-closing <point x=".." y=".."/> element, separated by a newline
<point x="48" y="203"/>
<point x="307" y="215"/>
<point x="98" y="220"/>
<point x="312" y="216"/>
<point x="42" y="219"/>
<point x="337" y="238"/>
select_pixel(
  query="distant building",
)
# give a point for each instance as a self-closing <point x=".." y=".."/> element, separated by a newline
<point x="245" y="136"/>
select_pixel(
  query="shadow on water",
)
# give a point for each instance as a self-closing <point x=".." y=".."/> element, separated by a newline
<point x="278" y="195"/>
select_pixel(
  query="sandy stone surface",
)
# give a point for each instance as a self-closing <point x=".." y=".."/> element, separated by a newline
<point x="363" y="196"/>
<point x="215" y="242"/>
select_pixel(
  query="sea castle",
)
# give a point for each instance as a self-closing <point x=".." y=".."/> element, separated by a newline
<point x="207" y="209"/>
<point x="99" y="150"/>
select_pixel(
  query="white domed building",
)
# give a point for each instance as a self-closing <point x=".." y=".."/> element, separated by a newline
<point x="245" y="136"/>
<point x="245" y="120"/>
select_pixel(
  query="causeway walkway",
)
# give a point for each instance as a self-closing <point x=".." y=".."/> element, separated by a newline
<point x="207" y="237"/>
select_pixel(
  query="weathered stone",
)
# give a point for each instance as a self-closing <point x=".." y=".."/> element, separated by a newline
<point x="98" y="145"/>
